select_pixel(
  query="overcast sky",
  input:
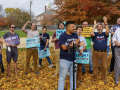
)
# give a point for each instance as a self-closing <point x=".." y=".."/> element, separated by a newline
<point x="37" y="8"/>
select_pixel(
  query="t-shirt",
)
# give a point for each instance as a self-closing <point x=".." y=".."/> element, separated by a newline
<point x="8" y="34"/>
<point x="56" y="42"/>
<point x="64" y="54"/>
<point x="32" y="34"/>
<point x="82" y="39"/>
<point x="45" y="37"/>
<point x="100" y="41"/>
<point x="88" y="40"/>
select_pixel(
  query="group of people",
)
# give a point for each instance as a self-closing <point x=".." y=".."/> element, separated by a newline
<point x="64" y="59"/>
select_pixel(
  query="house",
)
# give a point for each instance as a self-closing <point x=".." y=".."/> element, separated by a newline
<point x="45" y="17"/>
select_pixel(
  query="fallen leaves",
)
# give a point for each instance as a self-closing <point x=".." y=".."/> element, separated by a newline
<point x="45" y="80"/>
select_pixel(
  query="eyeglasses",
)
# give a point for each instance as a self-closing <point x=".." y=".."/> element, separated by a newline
<point x="13" y="27"/>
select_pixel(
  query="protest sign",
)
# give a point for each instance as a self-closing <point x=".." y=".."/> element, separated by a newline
<point x="32" y="42"/>
<point x="43" y="53"/>
<point x="12" y="40"/>
<point x="86" y="32"/>
<point x="59" y="32"/>
<point x="84" y="59"/>
<point x="108" y="39"/>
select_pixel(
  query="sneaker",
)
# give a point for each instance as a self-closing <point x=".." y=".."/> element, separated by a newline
<point x="54" y="74"/>
<point x="50" y="66"/>
<point x="39" y="65"/>
<point x="109" y="72"/>
<point x="91" y="72"/>
<point x="26" y="73"/>
<point x="37" y="73"/>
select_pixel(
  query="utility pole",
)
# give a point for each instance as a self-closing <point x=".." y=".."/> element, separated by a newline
<point x="30" y="10"/>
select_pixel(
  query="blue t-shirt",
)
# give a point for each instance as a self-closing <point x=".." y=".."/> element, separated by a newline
<point x="45" y="37"/>
<point x="100" y="41"/>
<point x="62" y="41"/>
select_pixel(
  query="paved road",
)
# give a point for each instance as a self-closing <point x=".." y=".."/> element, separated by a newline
<point x="23" y="43"/>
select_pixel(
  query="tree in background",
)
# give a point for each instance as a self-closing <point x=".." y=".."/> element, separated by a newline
<point x="88" y="10"/>
<point x="17" y="16"/>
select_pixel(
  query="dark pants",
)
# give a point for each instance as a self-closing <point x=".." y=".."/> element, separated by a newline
<point x="112" y="59"/>
<point x="1" y="63"/>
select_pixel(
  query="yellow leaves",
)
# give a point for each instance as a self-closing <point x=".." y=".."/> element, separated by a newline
<point x="45" y="80"/>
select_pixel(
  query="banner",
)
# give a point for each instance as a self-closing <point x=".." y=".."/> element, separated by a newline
<point x="84" y="59"/>
<point x="12" y="40"/>
<point x="59" y="32"/>
<point x="32" y="42"/>
<point x="86" y="32"/>
<point x="108" y="39"/>
<point x="43" y="53"/>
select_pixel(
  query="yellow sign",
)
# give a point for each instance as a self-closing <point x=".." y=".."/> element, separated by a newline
<point x="86" y="32"/>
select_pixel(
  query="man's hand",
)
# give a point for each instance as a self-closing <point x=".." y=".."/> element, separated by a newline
<point x="13" y="45"/>
<point x="95" y="22"/>
<point x="117" y="43"/>
<point x="105" y="19"/>
<point x="81" y="51"/>
<point x="28" y="22"/>
<point x="7" y="44"/>
<point x="82" y="43"/>
<point x="45" y="49"/>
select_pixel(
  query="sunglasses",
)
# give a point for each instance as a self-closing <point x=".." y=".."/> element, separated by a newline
<point x="13" y="27"/>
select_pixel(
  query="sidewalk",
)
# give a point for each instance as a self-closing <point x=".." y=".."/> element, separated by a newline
<point x="23" y="43"/>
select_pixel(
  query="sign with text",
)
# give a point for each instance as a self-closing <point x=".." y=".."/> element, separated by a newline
<point x="86" y="32"/>
<point x="32" y="42"/>
<point x="12" y="40"/>
<point x="42" y="53"/>
<point x="59" y="32"/>
<point x="108" y="39"/>
<point x="84" y="59"/>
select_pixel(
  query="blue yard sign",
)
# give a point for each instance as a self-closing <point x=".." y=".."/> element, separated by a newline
<point x="108" y="39"/>
<point x="12" y="40"/>
<point x="32" y="42"/>
<point x="59" y="32"/>
<point x="84" y="59"/>
<point x="42" y="53"/>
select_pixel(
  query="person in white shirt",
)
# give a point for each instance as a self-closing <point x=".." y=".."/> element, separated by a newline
<point x="116" y="43"/>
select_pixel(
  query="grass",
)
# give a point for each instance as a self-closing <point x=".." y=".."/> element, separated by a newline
<point x="23" y="35"/>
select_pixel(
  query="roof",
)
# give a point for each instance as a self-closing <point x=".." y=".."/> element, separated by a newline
<point x="47" y="12"/>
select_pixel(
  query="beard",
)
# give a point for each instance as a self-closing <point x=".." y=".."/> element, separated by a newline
<point x="99" y="30"/>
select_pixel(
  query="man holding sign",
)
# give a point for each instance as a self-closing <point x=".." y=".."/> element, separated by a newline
<point x="32" y="50"/>
<point x="100" y="48"/>
<point x="12" y="38"/>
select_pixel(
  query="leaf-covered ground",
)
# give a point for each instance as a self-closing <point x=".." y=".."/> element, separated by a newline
<point x="46" y="81"/>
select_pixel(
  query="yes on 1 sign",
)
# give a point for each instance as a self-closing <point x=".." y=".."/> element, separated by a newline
<point x="59" y="32"/>
<point x="84" y="59"/>
<point x="43" y="53"/>
<point x="32" y="42"/>
<point x="12" y="40"/>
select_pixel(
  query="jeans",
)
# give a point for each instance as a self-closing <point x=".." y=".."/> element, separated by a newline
<point x="2" y="67"/>
<point x="40" y="60"/>
<point x="108" y="49"/>
<point x="90" y="60"/>
<point x="112" y="59"/>
<point x="66" y="65"/>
